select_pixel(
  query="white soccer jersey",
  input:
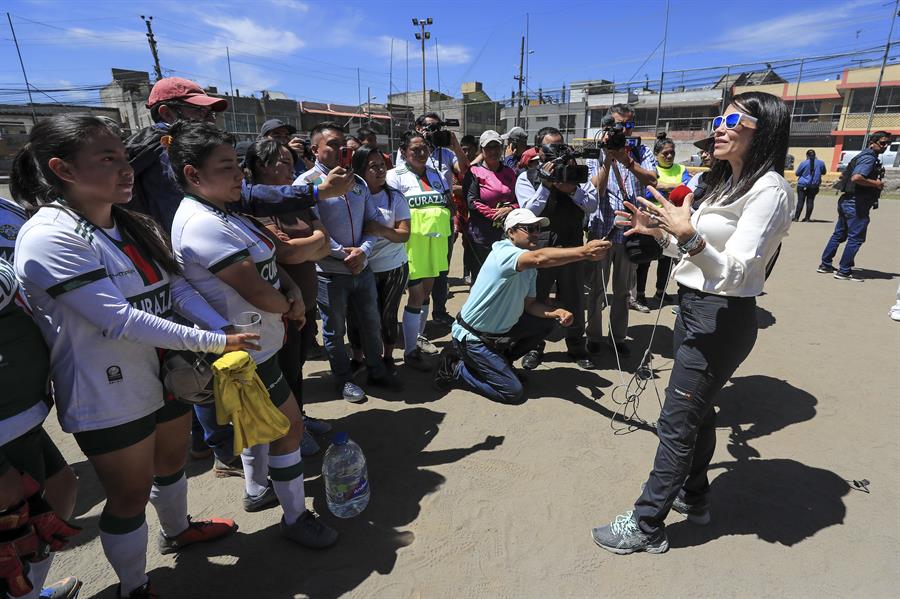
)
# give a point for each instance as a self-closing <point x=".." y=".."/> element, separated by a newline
<point x="207" y="239"/>
<point x="101" y="306"/>
<point x="12" y="217"/>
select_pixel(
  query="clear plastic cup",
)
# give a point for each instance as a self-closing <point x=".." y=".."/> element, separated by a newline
<point x="248" y="322"/>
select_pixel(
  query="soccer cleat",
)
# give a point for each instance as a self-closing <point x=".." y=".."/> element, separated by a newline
<point x="310" y="532"/>
<point x="316" y="426"/>
<point x="264" y="501"/>
<point x="697" y="513"/>
<point x="198" y="531"/>
<point x="624" y="536"/>
<point x="353" y="393"/>
<point x="847" y="277"/>
<point x="425" y="346"/>
<point x="67" y="588"/>
<point x="825" y="269"/>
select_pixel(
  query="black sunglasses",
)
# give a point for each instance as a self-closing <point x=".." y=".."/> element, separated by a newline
<point x="529" y="228"/>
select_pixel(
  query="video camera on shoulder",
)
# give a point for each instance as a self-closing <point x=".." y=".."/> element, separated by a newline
<point x="565" y="169"/>
<point x="616" y="139"/>
<point x="437" y="136"/>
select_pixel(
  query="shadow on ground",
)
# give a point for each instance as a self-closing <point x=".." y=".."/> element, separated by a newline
<point x="269" y="566"/>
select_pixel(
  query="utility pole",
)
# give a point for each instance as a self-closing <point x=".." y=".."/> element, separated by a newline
<point x="662" y="70"/>
<point x="369" y="105"/>
<point x="24" y="75"/>
<point x="887" y="49"/>
<point x="796" y="94"/>
<point x="388" y="100"/>
<point x="231" y="86"/>
<point x="358" y="87"/>
<point x="152" y="41"/>
<point x="520" y="79"/>
<point x="423" y="35"/>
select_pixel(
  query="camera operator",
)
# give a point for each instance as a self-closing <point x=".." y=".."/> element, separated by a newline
<point x="860" y="186"/>
<point x="544" y="191"/>
<point x="636" y="166"/>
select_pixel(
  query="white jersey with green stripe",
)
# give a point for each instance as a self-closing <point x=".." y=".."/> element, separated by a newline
<point x="207" y="239"/>
<point x="428" y="198"/>
<point x="12" y="217"/>
<point x="103" y="307"/>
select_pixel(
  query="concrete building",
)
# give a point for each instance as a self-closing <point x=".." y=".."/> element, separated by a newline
<point x="569" y="117"/>
<point x="128" y="92"/>
<point x="475" y="110"/>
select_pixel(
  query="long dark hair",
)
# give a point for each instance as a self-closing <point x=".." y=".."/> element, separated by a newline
<point x="192" y="143"/>
<point x="33" y="184"/>
<point x="767" y="151"/>
<point x="361" y="163"/>
<point x="263" y="152"/>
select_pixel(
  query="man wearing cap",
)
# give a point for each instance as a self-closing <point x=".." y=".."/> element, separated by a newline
<point x="516" y="143"/>
<point x="502" y="319"/>
<point x="566" y="205"/>
<point x="283" y="133"/>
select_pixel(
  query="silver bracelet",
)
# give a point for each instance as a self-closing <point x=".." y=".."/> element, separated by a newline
<point x="691" y="244"/>
<point x="664" y="241"/>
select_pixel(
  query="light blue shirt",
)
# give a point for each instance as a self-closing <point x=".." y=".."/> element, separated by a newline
<point x="497" y="299"/>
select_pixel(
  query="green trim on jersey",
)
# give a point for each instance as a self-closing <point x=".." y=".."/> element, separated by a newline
<point x="75" y="282"/>
<point x="229" y="260"/>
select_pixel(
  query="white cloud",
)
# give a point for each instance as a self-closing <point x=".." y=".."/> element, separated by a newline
<point x="291" y="4"/>
<point x="453" y="54"/>
<point x="250" y="78"/>
<point x="259" y="38"/>
<point x="447" y="54"/>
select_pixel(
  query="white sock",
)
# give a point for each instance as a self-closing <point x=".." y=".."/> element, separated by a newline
<point x="423" y="318"/>
<point x="287" y="478"/>
<point x="37" y="575"/>
<point x="170" y="500"/>
<point x="411" y="321"/>
<point x="127" y="554"/>
<point x="256" y="469"/>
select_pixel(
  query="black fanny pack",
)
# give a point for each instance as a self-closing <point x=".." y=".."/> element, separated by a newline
<point x="497" y="342"/>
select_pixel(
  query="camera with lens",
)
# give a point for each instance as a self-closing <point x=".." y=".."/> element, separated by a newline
<point x="616" y="139"/>
<point x="566" y="170"/>
<point x="437" y="136"/>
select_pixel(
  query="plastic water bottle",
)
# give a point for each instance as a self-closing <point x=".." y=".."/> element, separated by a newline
<point x="346" y="477"/>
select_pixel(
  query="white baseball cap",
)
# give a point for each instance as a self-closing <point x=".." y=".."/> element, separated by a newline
<point x="488" y="137"/>
<point x="524" y="216"/>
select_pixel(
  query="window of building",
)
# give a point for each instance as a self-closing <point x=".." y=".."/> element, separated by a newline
<point x="12" y="129"/>
<point x="541" y="119"/>
<point x="566" y="122"/>
<point x="239" y="122"/>
<point x="888" y="100"/>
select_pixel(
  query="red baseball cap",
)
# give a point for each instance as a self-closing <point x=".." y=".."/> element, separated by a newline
<point x="527" y="156"/>
<point x="176" y="88"/>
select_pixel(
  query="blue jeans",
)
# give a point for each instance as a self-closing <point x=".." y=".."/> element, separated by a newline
<point x="488" y="371"/>
<point x="851" y="225"/>
<point x="218" y="436"/>
<point x="336" y="294"/>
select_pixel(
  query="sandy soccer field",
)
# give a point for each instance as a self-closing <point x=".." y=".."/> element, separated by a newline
<point x="472" y="499"/>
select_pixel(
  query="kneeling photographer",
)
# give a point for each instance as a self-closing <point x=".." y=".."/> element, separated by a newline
<point x="559" y="189"/>
<point x="621" y="174"/>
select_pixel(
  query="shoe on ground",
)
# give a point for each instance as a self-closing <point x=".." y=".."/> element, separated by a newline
<point x="425" y="346"/>
<point x="662" y="299"/>
<point x="199" y="449"/>
<point x="532" y="359"/>
<point x="417" y="361"/>
<point x="624" y="536"/>
<point x="390" y="364"/>
<point x="895" y="314"/>
<point x="142" y="592"/>
<point x="445" y="373"/>
<point x="620" y="348"/>
<point x="637" y="305"/>
<point x="594" y="347"/>
<point x="67" y="588"/>
<point x="264" y="501"/>
<point x="310" y="532"/>
<point x="316" y="426"/>
<point x="847" y="277"/>
<point x="825" y="269"/>
<point x="806" y="220"/>
<point x="582" y="358"/>
<point x="352" y="392"/>
<point x="225" y="469"/>
<point x="445" y="320"/>
<point x="308" y="445"/>
<point x="389" y="381"/>
<point x="697" y="513"/>
<point x="198" y="531"/>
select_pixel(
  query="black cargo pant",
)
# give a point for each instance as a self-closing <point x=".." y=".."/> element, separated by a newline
<point x="713" y="335"/>
<point x="569" y="282"/>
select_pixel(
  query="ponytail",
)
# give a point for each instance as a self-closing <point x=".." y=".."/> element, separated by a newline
<point x="26" y="183"/>
<point x="662" y="140"/>
<point x="148" y="236"/>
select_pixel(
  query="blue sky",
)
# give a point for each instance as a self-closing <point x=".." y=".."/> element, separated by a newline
<point x="311" y="49"/>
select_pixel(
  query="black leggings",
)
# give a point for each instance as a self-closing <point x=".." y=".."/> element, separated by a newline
<point x="293" y="354"/>
<point x="390" y="285"/>
<point x="662" y="274"/>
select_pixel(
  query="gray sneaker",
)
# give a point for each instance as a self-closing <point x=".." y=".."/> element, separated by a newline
<point x="353" y="393"/>
<point x="310" y="532"/>
<point x="308" y="445"/>
<point x="425" y="346"/>
<point x="624" y="536"/>
<point x="697" y="513"/>
<point x="266" y="500"/>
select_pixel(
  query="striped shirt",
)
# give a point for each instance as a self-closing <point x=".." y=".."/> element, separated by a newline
<point x="602" y="221"/>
